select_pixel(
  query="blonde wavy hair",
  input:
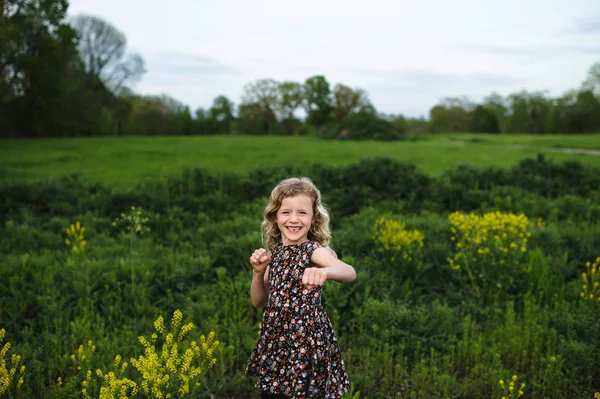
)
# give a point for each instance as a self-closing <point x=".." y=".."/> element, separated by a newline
<point x="319" y="229"/>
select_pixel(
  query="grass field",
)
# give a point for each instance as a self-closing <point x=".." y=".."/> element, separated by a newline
<point x="122" y="162"/>
<point x="580" y="141"/>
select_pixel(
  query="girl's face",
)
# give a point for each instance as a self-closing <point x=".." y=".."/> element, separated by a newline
<point x="294" y="218"/>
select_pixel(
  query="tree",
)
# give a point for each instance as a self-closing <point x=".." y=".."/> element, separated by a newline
<point x="254" y="119"/>
<point x="148" y="116"/>
<point x="462" y="102"/>
<point x="484" y="120"/>
<point x="107" y="69"/>
<point x="291" y="97"/>
<point x="399" y="123"/>
<point x="527" y="112"/>
<point x="202" y="122"/>
<point x="159" y="115"/>
<point x="318" y="101"/>
<point x="36" y="49"/>
<point x="592" y="82"/>
<point x="102" y="49"/>
<point x="221" y="115"/>
<point x="264" y="93"/>
<point x="417" y="125"/>
<point x="518" y="120"/>
<point x="347" y="100"/>
<point x="587" y="112"/>
<point x="451" y="115"/>
<point x="497" y="104"/>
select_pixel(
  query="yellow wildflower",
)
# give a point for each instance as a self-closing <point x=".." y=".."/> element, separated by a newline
<point x="76" y="237"/>
<point x="590" y="282"/>
<point x="395" y="241"/>
<point x="8" y="370"/>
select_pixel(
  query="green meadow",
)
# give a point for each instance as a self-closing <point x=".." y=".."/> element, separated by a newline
<point x="122" y="162"/>
<point x="125" y="273"/>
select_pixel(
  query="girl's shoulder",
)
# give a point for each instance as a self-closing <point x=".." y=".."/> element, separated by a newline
<point x="311" y="246"/>
<point x="315" y="244"/>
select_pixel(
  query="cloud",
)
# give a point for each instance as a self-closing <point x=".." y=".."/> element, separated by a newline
<point x="194" y="79"/>
<point x="175" y="67"/>
<point x="424" y="80"/>
<point x="413" y="92"/>
<point x="257" y="60"/>
<point x="534" y="60"/>
<point x="590" y="50"/>
<point x="540" y="52"/>
<point x="585" y="26"/>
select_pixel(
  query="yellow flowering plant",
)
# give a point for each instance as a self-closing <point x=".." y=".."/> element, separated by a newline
<point x="133" y="222"/>
<point x="75" y="240"/>
<point x="170" y="366"/>
<point x="491" y="249"/>
<point x="80" y="361"/>
<point x="104" y="385"/>
<point x="114" y="383"/>
<point x="398" y="245"/>
<point x="550" y="372"/>
<point x="509" y="390"/>
<point x="590" y="282"/>
<point x="11" y="374"/>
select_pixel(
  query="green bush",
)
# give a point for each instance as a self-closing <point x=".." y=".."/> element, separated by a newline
<point x="364" y="125"/>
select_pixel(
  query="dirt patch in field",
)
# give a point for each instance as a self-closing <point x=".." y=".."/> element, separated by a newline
<point x="551" y="149"/>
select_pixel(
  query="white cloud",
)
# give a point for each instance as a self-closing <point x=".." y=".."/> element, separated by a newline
<point x="196" y="50"/>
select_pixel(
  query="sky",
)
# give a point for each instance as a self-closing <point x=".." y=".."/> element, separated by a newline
<point x="407" y="55"/>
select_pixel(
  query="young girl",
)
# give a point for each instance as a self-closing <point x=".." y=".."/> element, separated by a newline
<point x="297" y="354"/>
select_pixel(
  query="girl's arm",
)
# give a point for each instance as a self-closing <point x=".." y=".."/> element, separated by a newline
<point x="334" y="268"/>
<point x="259" y="291"/>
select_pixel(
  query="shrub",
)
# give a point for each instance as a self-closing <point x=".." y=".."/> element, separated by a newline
<point x="400" y="247"/>
<point x="364" y="125"/>
<point x="169" y="367"/>
<point x="551" y="179"/>
<point x="491" y="249"/>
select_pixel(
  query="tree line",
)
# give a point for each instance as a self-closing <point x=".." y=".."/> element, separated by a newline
<point x="73" y="77"/>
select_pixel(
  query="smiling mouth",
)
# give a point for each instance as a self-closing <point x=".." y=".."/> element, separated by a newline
<point x="294" y="229"/>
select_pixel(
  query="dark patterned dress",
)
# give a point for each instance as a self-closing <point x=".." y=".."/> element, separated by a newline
<point x="297" y="353"/>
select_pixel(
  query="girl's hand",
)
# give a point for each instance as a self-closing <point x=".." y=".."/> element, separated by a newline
<point x="260" y="260"/>
<point x="314" y="277"/>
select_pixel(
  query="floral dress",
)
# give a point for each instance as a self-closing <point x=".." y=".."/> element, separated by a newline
<point x="297" y="353"/>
